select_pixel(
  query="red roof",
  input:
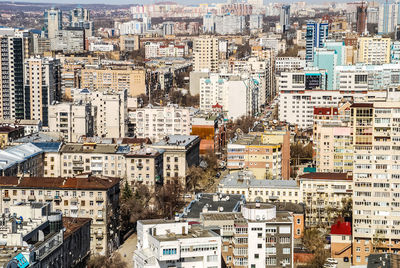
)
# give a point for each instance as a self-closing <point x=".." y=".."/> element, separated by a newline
<point x="341" y="228"/>
<point x="217" y="106"/>
<point x="325" y="111"/>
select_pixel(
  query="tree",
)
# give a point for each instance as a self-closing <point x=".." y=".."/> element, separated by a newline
<point x="169" y="198"/>
<point x="100" y="261"/>
<point x="244" y="123"/>
<point x="314" y="241"/>
<point x="127" y="192"/>
<point x="195" y="175"/>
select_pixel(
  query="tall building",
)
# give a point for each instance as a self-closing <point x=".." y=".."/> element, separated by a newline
<point x="12" y="78"/>
<point x="362" y="18"/>
<point x="205" y="54"/>
<point x="80" y="17"/>
<point x="168" y="28"/>
<point x="388" y="17"/>
<point x="42" y="87"/>
<point x="376" y="213"/>
<point x="374" y="50"/>
<point x="284" y="19"/>
<point x="316" y="35"/>
<point x="52" y="22"/>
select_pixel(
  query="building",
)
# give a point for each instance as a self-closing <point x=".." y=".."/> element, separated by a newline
<point x="212" y="203"/>
<point x="324" y="191"/>
<point x="21" y="160"/>
<point x="375" y="130"/>
<point x="180" y="153"/>
<point x="377" y="260"/>
<point x="109" y="110"/>
<point x="132" y="80"/>
<point x="12" y="78"/>
<point x="157" y="122"/>
<point x="224" y="24"/>
<point x="42" y="87"/>
<point x="30" y="126"/>
<point x="129" y="43"/>
<point x="80" y="17"/>
<point x="289" y="64"/>
<point x="341" y="240"/>
<point x="205" y="54"/>
<point x="95" y="198"/>
<point x="284" y="18"/>
<point x="388" y="17"/>
<point x="52" y="22"/>
<point x="162" y="243"/>
<point x="32" y="235"/>
<point x="8" y="133"/>
<point x="168" y="28"/>
<point x="259" y="236"/>
<point x="374" y="50"/>
<point x="255" y="22"/>
<point x="316" y="35"/>
<point x="212" y="133"/>
<point x="69" y="40"/>
<point x="145" y="166"/>
<point x="361" y="14"/>
<point x="73" y="120"/>
<point x="255" y="190"/>
<point x="259" y="155"/>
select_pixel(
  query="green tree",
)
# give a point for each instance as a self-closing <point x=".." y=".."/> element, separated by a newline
<point x="126" y="192"/>
<point x="314" y="241"/>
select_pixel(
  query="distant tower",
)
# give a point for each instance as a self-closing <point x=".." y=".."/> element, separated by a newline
<point x="362" y="18"/>
<point x="52" y="22"/>
<point x="285" y="18"/>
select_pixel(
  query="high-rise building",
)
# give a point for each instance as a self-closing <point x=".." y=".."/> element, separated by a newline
<point x="12" y="78"/>
<point x="205" y="52"/>
<point x="374" y="50"/>
<point x="285" y="18"/>
<point x="316" y="35"/>
<point x="362" y="18"/>
<point x="376" y="213"/>
<point x="168" y="28"/>
<point x="52" y="22"/>
<point x="80" y="17"/>
<point x="42" y="87"/>
<point x="388" y="17"/>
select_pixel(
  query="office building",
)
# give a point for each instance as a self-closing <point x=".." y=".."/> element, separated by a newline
<point x="12" y="78"/>
<point x="256" y="22"/>
<point x="255" y="190"/>
<point x="157" y="122"/>
<point x="316" y="35"/>
<point x="212" y="132"/>
<point x="52" y="22"/>
<point x="69" y="40"/>
<point x="205" y="54"/>
<point x="162" y="243"/>
<point x="289" y="64"/>
<point x="91" y="197"/>
<point x="284" y="18"/>
<point x="168" y="28"/>
<point x="375" y="175"/>
<point x="42" y="87"/>
<point x="305" y="79"/>
<point x="323" y="192"/>
<point x="80" y="17"/>
<point x="374" y="50"/>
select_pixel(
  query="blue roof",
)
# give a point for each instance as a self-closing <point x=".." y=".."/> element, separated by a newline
<point x="123" y="149"/>
<point x="48" y="146"/>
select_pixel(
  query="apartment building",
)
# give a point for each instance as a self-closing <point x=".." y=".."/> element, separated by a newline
<point x="320" y="192"/>
<point x="375" y="128"/>
<point x="42" y="87"/>
<point x="73" y="120"/>
<point x="12" y="78"/>
<point x="8" y="133"/>
<point x="306" y="79"/>
<point x="289" y="64"/>
<point x="238" y="95"/>
<point x="333" y="148"/>
<point x="163" y="243"/>
<point x="132" y="80"/>
<point x="205" y="54"/>
<point x="259" y="236"/>
<point x="30" y="126"/>
<point x="258" y="155"/>
<point x="180" y="153"/>
<point x="374" y="50"/>
<point x="145" y="166"/>
<point x="245" y="183"/>
<point x="109" y="110"/>
<point x="95" y="198"/>
<point x="160" y="50"/>
<point x="157" y="122"/>
<point x="212" y="132"/>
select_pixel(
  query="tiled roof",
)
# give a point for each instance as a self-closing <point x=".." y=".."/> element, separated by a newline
<point x="326" y="176"/>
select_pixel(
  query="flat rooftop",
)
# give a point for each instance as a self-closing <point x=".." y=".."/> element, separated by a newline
<point x="327" y="176"/>
<point x="177" y="140"/>
<point x="193" y="232"/>
<point x="252" y="140"/>
<point x="242" y="179"/>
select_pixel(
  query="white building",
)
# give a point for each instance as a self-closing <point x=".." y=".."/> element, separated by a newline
<point x="306" y="79"/>
<point x="223" y="24"/>
<point x="103" y="47"/>
<point x="289" y="64"/>
<point x="166" y="243"/>
<point x="157" y="122"/>
<point x="205" y="54"/>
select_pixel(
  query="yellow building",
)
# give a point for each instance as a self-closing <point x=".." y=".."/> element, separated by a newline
<point x="115" y="79"/>
<point x="374" y="50"/>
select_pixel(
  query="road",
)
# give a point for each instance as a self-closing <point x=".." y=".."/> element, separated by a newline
<point x="127" y="248"/>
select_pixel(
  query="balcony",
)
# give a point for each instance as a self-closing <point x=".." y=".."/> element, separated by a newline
<point x="77" y="168"/>
<point x="31" y="198"/>
<point x="6" y="198"/>
<point x="48" y="197"/>
<point x="57" y="198"/>
<point x="99" y="199"/>
<point x="100" y="218"/>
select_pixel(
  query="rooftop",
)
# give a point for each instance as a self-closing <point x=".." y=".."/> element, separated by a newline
<point x="242" y="179"/>
<point x="341" y="228"/>
<point x="145" y="152"/>
<point x="327" y="176"/>
<point x="89" y="148"/>
<point x="193" y="232"/>
<point x="177" y="140"/>
<point x="251" y="140"/>
<point x="37" y="137"/>
<point x="8" y="129"/>
<point x="72" y="224"/>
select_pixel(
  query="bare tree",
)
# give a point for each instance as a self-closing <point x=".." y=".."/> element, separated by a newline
<point x="114" y="261"/>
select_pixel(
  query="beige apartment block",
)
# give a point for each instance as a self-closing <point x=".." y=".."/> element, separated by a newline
<point x="376" y="206"/>
<point x="374" y="50"/>
<point x="88" y="197"/>
<point x="321" y="191"/>
<point x="205" y="54"/>
<point x="133" y="80"/>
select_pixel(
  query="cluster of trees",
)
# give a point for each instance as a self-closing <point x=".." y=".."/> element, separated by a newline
<point x="201" y="178"/>
<point x="301" y="153"/>
<point x="99" y="261"/>
<point x="314" y="241"/>
<point x="184" y="100"/>
<point x="244" y="123"/>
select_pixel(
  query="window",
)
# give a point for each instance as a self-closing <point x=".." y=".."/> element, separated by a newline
<point x="259" y="245"/>
<point x="270" y="261"/>
<point x="170" y="251"/>
<point x="298" y="221"/>
<point x="212" y="258"/>
<point x="286" y="250"/>
<point x="358" y="259"/>
<point x="256" y="256"/>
